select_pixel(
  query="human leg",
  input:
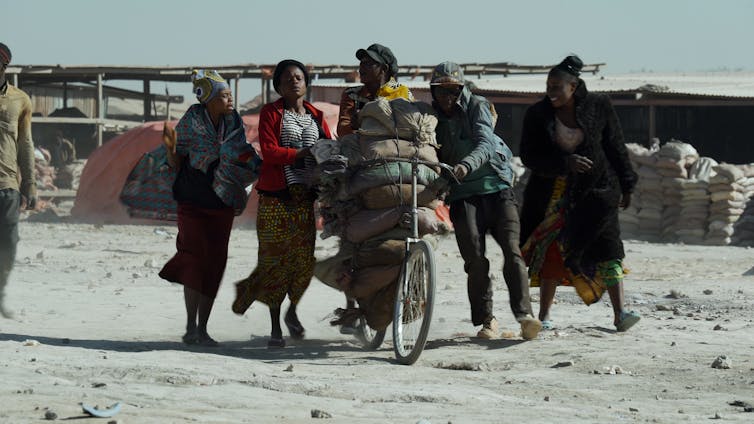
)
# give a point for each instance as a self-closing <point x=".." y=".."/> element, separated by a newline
<point x="623" y="319"/>
<point x="10" y="202"/>
<point x="191" y="300"/>
<point x="503" y="214"/>
<point x="470" y="236"/>
<point x="295" y="329"/>
<point x="276" y="333"/>
<point x="205" y="309"/>
<point x="547" y="290"/>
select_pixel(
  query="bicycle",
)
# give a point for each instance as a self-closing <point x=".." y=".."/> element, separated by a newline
<point x="415" y="291"/>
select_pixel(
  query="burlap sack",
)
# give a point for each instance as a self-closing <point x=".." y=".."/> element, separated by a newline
<point x="388" y="196"/>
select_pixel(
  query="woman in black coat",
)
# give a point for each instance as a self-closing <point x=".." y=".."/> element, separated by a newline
<point x="573" y="143"/>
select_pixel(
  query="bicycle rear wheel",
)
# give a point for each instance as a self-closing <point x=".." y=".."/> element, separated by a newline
<point x="369" y="338"/>
<point x="414" y="302"/>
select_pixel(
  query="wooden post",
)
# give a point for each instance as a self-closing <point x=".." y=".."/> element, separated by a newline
<point x="147" y="101"/>
<point x="264" y="93"/>
<point x="15" y="80"/>
<point x="235" y="94"/>
<point x="100" y="109"/>
<point x="65" y="94"/>
<point x="652" y="123"/>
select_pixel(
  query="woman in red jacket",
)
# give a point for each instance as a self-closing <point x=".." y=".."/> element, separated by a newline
<point x="286" y="227"/>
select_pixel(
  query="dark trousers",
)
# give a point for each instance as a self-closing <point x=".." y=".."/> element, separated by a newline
<point x="497" y="214"/>
<point x="10" y="204"/>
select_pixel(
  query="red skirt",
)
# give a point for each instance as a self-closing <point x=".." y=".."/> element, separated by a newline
<point x="202" y="246"/>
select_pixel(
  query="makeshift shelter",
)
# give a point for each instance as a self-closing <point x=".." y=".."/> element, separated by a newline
<point x="107" y="168"/>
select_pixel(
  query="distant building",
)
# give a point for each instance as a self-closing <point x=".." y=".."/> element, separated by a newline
<point x="708" y="110"/>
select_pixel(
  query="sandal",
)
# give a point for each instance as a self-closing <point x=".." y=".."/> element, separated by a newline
<point x="626" y="321"/>
<point x="275" y="343"/>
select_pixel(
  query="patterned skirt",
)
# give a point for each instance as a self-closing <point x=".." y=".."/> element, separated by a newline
<point x="286" y="233"/>
<point x="545" y="250"/>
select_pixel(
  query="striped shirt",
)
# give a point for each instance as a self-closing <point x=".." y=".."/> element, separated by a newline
<point x="299" y="131"/>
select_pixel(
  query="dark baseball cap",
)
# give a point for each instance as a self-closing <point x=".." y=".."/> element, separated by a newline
<point x="381" y="55"/>
<point x="447" y="73"/>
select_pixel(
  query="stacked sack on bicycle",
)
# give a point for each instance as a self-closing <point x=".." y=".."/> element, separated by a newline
<point x="366" y="201"/>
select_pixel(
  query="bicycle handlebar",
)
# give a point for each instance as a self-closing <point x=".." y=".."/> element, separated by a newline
<point x="416" y="160"/>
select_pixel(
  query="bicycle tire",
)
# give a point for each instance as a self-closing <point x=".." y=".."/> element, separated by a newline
<point x="414" y="302"/>
<point x="369" y="338"/>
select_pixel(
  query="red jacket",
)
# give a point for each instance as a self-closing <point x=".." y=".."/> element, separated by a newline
<point x="274" y="156"/>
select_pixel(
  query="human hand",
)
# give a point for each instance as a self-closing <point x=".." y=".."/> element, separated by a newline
<point x="579" y="164"/>
<point x="625" y="200"/>
<point x="169" y="137"/>
<point x="460" y="171"/>
<point x="303" y="152"/>
<point x="28" y="202"/>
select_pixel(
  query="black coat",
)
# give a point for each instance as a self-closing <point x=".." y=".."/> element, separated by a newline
<point x="591" y="230"/>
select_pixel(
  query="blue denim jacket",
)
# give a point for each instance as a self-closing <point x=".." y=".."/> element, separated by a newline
<point x="481" y="126"/>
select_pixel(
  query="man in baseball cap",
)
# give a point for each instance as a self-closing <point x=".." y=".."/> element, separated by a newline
<point x="378" y="70"/>
<point x="483" y="202"/>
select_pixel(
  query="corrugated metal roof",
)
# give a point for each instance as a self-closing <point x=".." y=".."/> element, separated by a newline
<point x="707" y="84"/>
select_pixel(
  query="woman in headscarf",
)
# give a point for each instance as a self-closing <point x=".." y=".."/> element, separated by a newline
<point x="286" y="229"/>
<point x="581" y="174"/>
<point x="212" y="164"/>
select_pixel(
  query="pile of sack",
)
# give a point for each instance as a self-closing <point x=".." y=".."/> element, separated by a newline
<point x="366" y="201"/>
<point x="730" y="190"/>
<point x="643" y="219"/>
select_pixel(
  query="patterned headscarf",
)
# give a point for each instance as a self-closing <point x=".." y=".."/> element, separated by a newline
<point x="207" y="84"/>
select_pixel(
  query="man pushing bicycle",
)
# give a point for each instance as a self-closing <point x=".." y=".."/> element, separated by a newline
<point x="483" y="201"/>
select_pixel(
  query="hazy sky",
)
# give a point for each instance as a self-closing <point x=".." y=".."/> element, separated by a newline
<point x="653" y="35"/>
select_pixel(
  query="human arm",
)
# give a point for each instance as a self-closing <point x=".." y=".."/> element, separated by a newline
<point x="25" y="157"/>
<point x="616" y="152"/>
<point x="347" y="115"/>
<point x="482" y="135"/>
<point x="169" y="138"/>
<point x="269" y="142"/>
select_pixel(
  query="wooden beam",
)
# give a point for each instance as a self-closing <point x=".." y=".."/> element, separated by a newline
<point x="89" y="121"/>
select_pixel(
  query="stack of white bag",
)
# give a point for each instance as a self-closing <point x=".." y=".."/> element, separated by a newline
<point x="629" y="217"/>
<point x="743" y="234"/>
<point x="695" y="202"/>
<point x="673" y="160"/>
<point x="730" y="189"/>
<point x="647" y="197"/>
<point x="365" y="200"/>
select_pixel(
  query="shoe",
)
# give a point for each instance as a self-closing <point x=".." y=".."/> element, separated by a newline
<point x="490" y="330"/>
<point x="530" y="327"/>
<point x="626" y="321"/>
<point x="547" y="325"/>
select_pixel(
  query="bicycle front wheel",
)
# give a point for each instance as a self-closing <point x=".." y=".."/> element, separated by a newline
<point x="414" y="302"/>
